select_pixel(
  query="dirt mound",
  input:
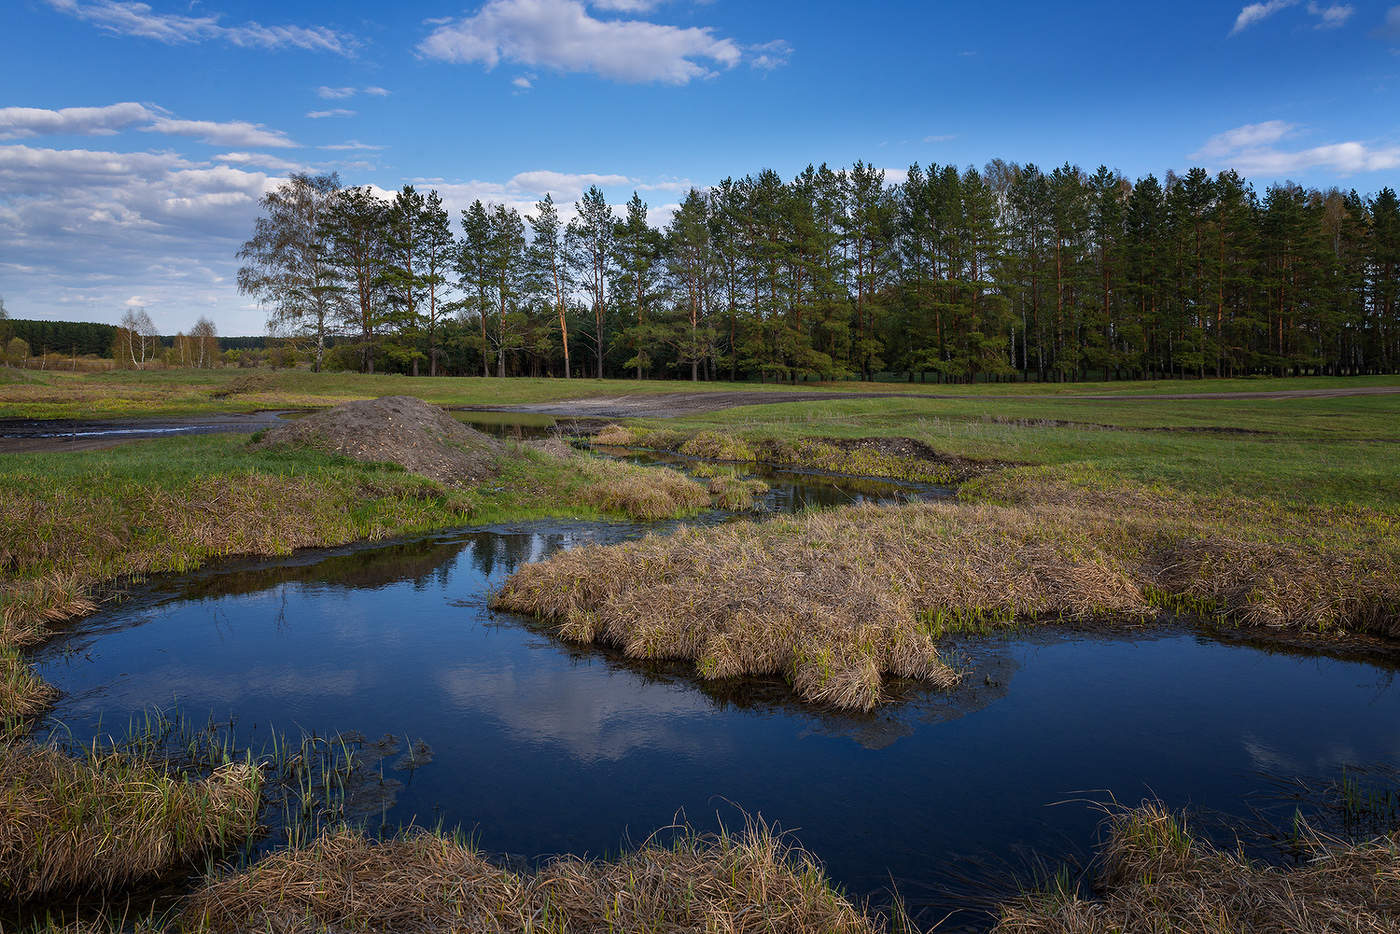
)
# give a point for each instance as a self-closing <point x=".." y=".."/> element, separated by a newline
<point x="419" y="437"/>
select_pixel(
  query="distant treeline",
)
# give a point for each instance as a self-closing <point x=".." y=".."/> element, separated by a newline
<point x="1009" y="272"/>
<point x="87" y="338"/>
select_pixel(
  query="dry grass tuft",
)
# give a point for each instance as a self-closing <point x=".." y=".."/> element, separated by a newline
<point x="735" y="494"/>
<point x="831" y="600"/>
<point x="615" y="436"/>
<point x="102" y="822"/>
<point x="1158" y="879"/>
<point x="22" y="693"/>
<point x="835" y="600"/>
<point x="646" y="493"/>
<point x="422" y="882"/>
<point x="716" y="446"/>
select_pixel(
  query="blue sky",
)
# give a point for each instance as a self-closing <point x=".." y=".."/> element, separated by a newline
<point x="135" y="138"/>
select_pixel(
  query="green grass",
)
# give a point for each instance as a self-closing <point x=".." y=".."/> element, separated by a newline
<point x="117" y="393"/>
<point x="1310" y="450"/>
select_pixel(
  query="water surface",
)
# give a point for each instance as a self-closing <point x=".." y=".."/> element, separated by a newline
<point x="542" y="748"/>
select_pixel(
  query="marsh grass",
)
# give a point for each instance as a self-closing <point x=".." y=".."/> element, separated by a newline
<point x="1157" y="877"/>
<point x="831" y="600"/>
<point x="835" y="600"/>
<point x="752" y="881"/>
<point x="887" y="458"/>
<point x="104" y="820"/>
<point x="735" y="493"/>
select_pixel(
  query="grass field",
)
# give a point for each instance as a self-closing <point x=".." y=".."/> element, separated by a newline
<point x="127" y="393"/>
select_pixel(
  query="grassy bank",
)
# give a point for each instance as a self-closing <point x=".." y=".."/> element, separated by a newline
<point x="102" y="821"/>
<point x="1156" y="877"/>
<point x="76" y="528"/>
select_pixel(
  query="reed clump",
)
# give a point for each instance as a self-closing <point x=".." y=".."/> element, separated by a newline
<point x="1157" y="878"/>
<point x="103" y="821"/>
<point x="735" y="494"/>
<point x="831" y="600"/>
<point x="615" y="435"/>
<point x="717" y="446"/>
<point x="428" y="882"/>
<point x="645" y="493"/>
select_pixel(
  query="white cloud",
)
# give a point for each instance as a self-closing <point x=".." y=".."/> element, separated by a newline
<point x="335" y="94"/>
<point x="627" y="6"/>
<point x="333" y="112"/>
<point x="262" y="160"/>
<point x="17" y="122"/>
<point x="352" y="145"/>
<point x="1332" y="16"/>
<point x="522" y="82"/>
<point x="95" y="228"/>
<point x="138" y="19"/>
<point x="1251" y="150"/>
<point x="895" y="177"/>
<point x="560" y="34"/>
<point x="1244" y="137"/>
<point x="233" y="133"/>
<point x="1258" y="12"/>
<point x="543" y="180"/>
<point x="769" y="55"/>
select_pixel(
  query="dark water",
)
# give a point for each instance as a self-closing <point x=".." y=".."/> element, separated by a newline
<point x="543" y="749"/>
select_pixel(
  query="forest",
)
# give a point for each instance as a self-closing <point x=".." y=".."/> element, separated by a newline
<point x="1009" y="272"/>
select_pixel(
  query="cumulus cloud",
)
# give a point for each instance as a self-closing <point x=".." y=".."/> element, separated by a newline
<point x="1252" y="150"/>
<point x="1249" y="136"/>
<point x="233" y="133"/>
<point x="19" y="122"/>
<point x="333" y="112"/>
<point x="139" y="19"/>
<point x="94" y="227"/>
<point x="262" y="160"/>
<point x="562" y="35"/>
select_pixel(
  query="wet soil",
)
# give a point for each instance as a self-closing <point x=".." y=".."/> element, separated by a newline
<point x="27" y="436"/>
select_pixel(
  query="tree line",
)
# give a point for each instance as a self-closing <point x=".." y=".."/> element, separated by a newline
<point x="1008" y="272"/>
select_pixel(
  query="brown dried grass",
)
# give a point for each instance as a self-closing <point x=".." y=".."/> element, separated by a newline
<point x="615" y="436"/>
<point x="100" y="822"/>
<point x="837" y="599"/>
<point x="1158" y="879"/>
<point x="830" y="600"/>
<point x="646" y="493"/>
<point x="424" y="882"/>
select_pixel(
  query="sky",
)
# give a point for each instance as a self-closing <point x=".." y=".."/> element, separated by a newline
<point x="137" y="137"/>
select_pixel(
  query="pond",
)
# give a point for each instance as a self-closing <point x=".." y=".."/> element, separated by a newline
<point x="540" y="748"/>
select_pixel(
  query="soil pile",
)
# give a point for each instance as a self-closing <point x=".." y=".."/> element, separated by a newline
<point x="419" y="437"/>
